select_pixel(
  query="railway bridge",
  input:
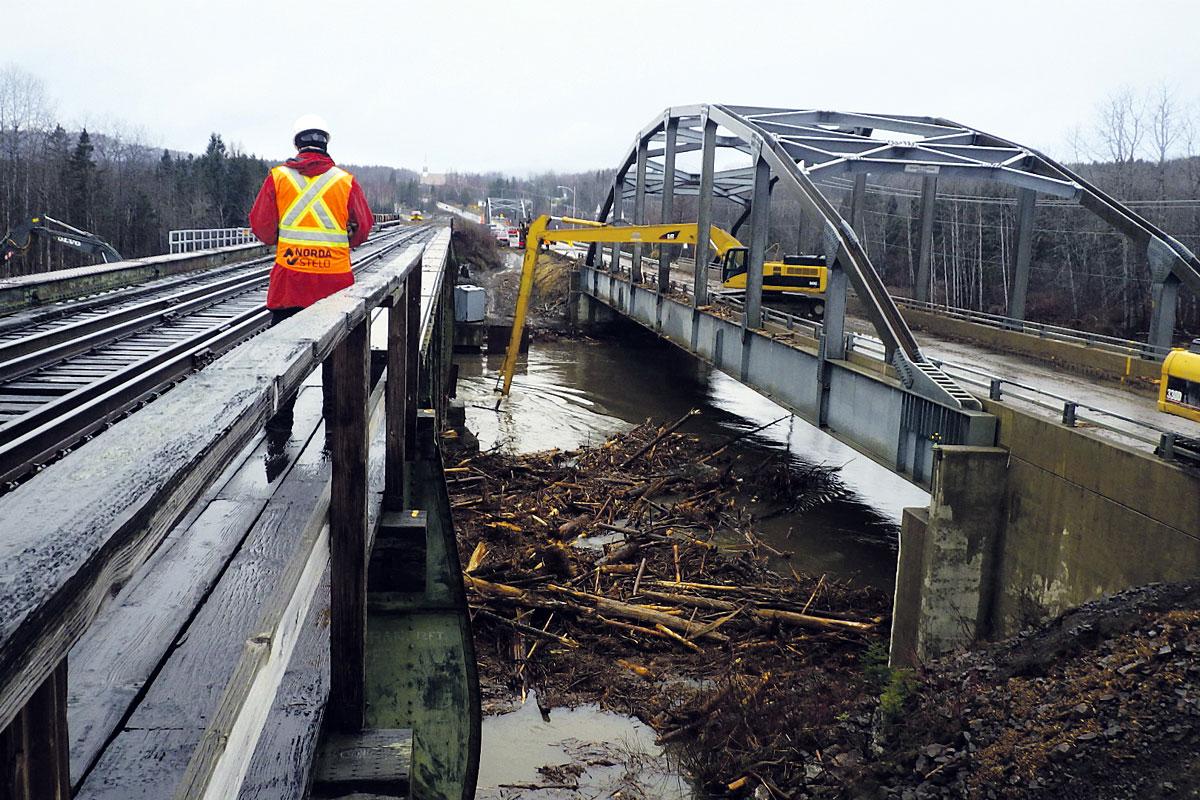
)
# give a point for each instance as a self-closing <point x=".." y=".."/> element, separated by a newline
<point x="174" y="581"/>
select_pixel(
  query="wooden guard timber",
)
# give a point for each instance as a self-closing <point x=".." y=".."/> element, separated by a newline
<point x="99" y="521"/>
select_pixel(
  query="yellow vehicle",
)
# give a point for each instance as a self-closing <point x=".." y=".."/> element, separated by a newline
<point x="799" y="276"/>
<point x="1179" y="391"/>
<point x="416" y="216"/>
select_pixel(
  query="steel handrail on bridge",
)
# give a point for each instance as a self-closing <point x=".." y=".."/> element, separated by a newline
<point x="77" y="531"/>
<point x="1115" y="344"/>
<point x="992" y="385"/>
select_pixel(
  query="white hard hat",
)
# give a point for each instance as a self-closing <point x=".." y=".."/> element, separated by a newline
<point x="311" y="122"/>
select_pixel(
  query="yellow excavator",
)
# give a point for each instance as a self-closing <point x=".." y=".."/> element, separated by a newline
<point x="1179" y="392"/>
<point x="804" y="277"/>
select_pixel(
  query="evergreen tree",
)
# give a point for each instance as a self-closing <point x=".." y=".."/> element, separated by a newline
<point x="80" y="182"/>
<point x="214" y="171"/>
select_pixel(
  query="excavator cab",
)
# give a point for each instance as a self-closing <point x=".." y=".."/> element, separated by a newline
<point x="735" y="262"/>
<point x="1179" y="391"/>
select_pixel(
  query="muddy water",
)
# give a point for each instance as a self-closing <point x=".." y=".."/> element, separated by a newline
<point x="573" y="753"/>
<point x="572" y="393"/>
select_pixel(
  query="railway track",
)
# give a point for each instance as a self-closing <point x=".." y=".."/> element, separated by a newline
<point x="65" y="378"/>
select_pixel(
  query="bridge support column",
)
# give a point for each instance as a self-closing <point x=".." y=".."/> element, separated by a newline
<point x="412" y="372"/>
<point x="348" y="370"/>
<point x="945" y="574"/>
<point x="396" y="403"/>
<point x="857" y="198"/>
<point x="666" y="254"/>
<point x="1023" y="254"/>
<point x="759" y="225"/>
<point x="704" y="213"/>
<point x="618" y="214"/>
<point x="1165" y="301"/>
<point x="35" y="759"/>
<point x="835" y="309"/>
<point x="639" y="209"/>
<point x="925" y="239"/>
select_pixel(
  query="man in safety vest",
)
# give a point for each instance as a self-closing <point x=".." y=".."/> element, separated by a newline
<point x="314" y="212"/>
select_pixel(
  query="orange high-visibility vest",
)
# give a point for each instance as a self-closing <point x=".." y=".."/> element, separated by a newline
<point x="313" y="216"/>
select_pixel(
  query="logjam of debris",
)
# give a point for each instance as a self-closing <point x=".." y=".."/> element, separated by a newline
<point x="630" y="575"/>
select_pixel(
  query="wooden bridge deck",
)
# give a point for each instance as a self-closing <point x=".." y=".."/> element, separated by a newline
<point x="200" y="663"/>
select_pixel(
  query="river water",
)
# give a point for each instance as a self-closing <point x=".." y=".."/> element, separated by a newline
<point x="570" y="393"/>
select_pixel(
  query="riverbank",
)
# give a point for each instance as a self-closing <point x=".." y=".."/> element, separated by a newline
<point x="612" y="576"/>
<point x="630" y="576"/>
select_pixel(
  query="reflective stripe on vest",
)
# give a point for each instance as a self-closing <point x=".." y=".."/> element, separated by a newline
<point x="313" y="219"/>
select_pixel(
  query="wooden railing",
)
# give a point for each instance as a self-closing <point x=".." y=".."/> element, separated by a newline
<point x="73" y="535"/>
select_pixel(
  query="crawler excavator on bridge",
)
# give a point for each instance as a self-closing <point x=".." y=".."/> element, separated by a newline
<point x="19" y="239"/>
<point x="800" y="277"/>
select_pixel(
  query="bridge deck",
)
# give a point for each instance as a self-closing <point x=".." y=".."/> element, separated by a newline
<point x="967" y="362"/>
<point x="204" y="664"/>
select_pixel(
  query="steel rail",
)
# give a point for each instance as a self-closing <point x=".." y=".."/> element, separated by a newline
<point x="39" y="320"/>
<point x="52" y="428"/>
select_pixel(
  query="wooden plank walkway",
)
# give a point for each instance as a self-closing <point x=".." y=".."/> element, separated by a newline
<point x="176" y="599"/>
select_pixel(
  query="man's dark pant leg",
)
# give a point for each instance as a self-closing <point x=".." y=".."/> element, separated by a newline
<point x="282" y="421"/>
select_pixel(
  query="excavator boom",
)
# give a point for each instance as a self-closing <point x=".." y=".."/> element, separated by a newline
<point x="583" y="230"/>
<point x="19" y="238"/>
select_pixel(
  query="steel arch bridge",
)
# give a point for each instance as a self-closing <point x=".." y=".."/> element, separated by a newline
<point x="797" y="149"/>
<point x="497" y="206"/>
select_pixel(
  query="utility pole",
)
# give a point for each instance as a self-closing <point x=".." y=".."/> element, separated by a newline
<point x="570" y="189"/>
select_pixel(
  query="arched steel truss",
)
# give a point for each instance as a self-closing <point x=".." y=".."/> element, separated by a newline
<point x="519" y="209"/>
<point x="797" y="149"/>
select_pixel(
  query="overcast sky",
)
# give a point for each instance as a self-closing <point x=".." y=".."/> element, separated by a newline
<point x="522" y="85"/>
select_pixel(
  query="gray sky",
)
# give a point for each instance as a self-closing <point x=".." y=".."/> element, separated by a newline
<point x="520" y="85"/>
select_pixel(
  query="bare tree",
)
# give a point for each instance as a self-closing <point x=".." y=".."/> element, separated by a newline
<point x="1166" y="131"/>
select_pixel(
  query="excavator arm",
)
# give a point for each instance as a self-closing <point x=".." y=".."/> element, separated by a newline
<point x="20" y="238"/>
<point x="583" y="230"/>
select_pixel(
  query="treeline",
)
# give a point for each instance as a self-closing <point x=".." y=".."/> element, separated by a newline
<point x="126" y="192"/>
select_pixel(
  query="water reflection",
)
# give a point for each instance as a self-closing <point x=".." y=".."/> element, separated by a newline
<point x="568" y="753"/>
<point x="573" y="393"/>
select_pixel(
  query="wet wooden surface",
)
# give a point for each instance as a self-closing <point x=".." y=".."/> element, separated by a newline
<point x="149" y="755"/>
<point x="76" y="533"/>
<point x="112" y="663"/>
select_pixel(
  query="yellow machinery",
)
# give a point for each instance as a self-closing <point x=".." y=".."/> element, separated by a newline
<point x="1179" y="392"/>
<point x="804" y="276"/>
<point x="416" y="216"/>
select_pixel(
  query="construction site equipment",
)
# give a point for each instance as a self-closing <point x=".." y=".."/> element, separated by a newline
<point x="1179" y="391"/>
<point x="18" y="239"/>
<point x="801" y="276"/>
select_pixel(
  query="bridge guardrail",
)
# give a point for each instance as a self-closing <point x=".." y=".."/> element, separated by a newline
<point x="1160" y="438"/>
<point x="1116" y="344"/>
<point x="189" y="240"/>
<point x="78" y="530"/>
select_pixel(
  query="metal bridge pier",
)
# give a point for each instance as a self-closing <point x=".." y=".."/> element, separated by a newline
<point x="857" y="197"/>
<point x="639" y="209"/>
<point x="925" y="241"/>
<point x="665" y="254"/>
<point x="704" y="213"/>
<point x="1023" y="253"/>
<point x="835" y="310"/>
<point x="617" y="214"/>
<point x="759" y="223"/>
<point x="1165" y="300"/>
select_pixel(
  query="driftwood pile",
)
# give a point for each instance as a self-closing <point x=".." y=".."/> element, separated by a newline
<point x="630" y="574"/>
